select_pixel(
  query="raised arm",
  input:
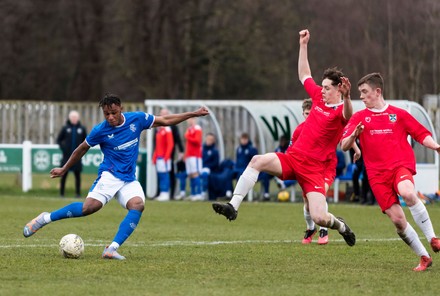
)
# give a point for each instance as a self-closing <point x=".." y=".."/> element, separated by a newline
<point x="74" y="158"/>
<point x="173" y="119"/>
<point x="345" y="88"/>
<point x="303" y="61"/>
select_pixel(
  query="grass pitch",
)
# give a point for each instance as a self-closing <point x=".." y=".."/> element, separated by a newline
<point x="184" y="248"/>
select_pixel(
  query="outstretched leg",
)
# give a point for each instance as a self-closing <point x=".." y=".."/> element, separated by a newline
<point x="73" y="210"/>
<point x="409" y="236"/>
<point x="268" y="163"/>
<point x="419" y="213"/>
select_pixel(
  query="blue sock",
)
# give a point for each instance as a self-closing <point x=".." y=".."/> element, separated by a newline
<point x="127" y="226"/>
<point x="164" y="182"/>
<point x="197" y="185"/>
<point x="192" y="186"/>
<point x="204" y="178"/>
<point x="70" y="211"/>
<point x="182" y="181"/>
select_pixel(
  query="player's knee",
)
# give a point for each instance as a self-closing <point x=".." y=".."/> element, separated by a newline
<point x="258" y="162"/>
<point x="409" y="197"/>
<point x="136" y="203"/>
<point x="400" y="222"/>
<point x="91" y="207"/>
<point x="320" y="219"/>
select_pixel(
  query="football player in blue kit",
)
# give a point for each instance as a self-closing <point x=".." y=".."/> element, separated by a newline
<point x="118" y="138"/>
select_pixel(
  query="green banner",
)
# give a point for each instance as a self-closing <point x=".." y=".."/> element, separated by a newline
<point x="11" y="160"/>
<point x="45" y="159"/>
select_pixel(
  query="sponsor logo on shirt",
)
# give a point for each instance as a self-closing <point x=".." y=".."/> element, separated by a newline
<point x="127" y="145"/>
<point x="319" y="109"/>
<point x="111" y="136"/>
<point x="381" y="131"/>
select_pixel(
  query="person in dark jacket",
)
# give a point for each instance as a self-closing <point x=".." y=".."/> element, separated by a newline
<point x="243" y="155"/>
<point x="210" y="160"/>
<point x="71" y="136"/>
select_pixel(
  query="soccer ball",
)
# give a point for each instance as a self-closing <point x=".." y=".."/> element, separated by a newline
<point x="283" y="196"/>
<point x="71" y="246"/>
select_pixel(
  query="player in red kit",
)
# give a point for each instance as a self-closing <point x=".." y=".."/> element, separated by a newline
<point x="306" y="160"/>
<point x="162" y="160"/>
<point x="193" y="158"/>
<point x="383" y="132"/>
<point x="329" y="177"/>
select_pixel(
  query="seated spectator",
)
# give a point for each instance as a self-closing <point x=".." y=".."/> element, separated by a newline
<point x="221" y="180"/>
<point x="243" y="155"/>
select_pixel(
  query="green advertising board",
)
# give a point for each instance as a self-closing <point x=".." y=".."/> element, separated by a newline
<point x="45" y="159"/>
<point x="11" y="159"/>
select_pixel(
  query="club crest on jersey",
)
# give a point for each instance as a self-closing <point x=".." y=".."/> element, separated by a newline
<point x="367" y="119"/>
<point x="392" y="117"/>
<point x="133" y="127"/>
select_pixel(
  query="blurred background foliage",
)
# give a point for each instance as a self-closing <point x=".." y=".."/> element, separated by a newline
<point x="64" y="50"/>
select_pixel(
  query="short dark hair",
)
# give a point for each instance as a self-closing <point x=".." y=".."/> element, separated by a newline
<point x="109" y="99"/>
<point x="307" y="104"/>
<point x="244" y="135"/>
<point x="334" y="74"/>
<point x="375" y="80"/>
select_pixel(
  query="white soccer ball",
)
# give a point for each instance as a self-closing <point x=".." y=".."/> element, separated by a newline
<point x="71" y="246"/>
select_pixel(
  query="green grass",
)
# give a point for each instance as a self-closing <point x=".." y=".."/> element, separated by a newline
<point x="183" y="248"/>
<point x="43" y="185"/>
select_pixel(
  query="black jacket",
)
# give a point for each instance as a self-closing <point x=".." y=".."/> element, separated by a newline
<point x="70" y="137"/>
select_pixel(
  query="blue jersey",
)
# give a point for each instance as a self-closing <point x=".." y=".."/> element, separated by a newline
<point x="120" y="144"/>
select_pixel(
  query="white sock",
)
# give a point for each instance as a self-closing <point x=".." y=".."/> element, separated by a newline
<point x="309" y="220"/>
<point x="46" y="218"/>
<point x="410" y="237"/>
<point x="421" y="217"/>
<point x="114" y="245"/>
<point x="336" y="224"/>
<point x="326" y="209"/>
<point x="245" y="183"/>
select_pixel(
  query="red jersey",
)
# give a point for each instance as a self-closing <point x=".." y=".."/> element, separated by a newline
<point x="384" y="140"/>
<point x="194" y="141"/>
<point x="295" y="135"/>
<point x="331" y="162"/>
<point x="164" y="143"/>
<point x="323" y="128"/>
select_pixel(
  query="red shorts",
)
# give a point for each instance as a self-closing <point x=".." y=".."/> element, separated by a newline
<point x="330" y="171"/>
<point x="384" y="186"/>
<point x="308" y="172"/>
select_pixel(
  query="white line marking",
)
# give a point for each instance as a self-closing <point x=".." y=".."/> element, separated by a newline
<point x="99" y="243"/>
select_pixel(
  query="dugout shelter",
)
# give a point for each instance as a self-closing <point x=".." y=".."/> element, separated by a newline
<point x="266" y="121"/>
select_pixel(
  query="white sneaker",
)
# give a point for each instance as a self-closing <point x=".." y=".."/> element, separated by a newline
<point x="197" y="197"/>
<point x="180" y="196"/>
<point x="163" y="196"/>
<point x="280" y="183"/>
